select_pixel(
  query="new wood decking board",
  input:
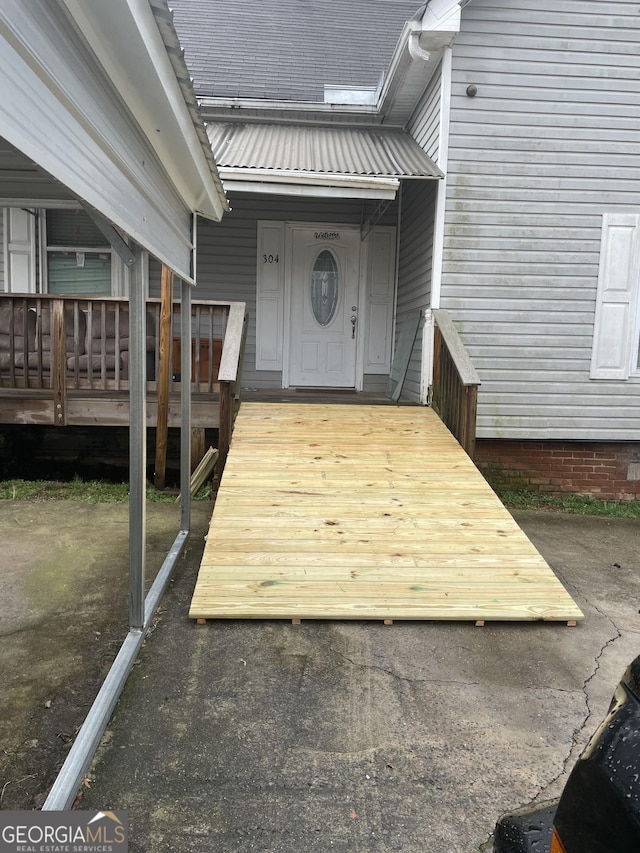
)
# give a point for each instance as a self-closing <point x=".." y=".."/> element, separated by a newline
<point x="364" y="512"/>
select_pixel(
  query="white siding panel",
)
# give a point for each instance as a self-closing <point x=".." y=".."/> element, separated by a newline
<point x="88" y="139"/>
<point x="548" y="145"/>
<point x="424" y="124"/>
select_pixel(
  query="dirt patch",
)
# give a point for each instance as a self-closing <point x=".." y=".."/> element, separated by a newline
<point x="63" y="614"/>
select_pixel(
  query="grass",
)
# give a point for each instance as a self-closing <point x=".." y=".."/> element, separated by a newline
<point x="97" y="491"/>
<point x="89" y="491"/>
<point x="573" y="504"/>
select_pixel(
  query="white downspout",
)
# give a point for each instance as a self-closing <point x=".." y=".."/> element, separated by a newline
<point x="415" y="50"/>
<point x="443" y="163"/>
<point x="438" y="226"/>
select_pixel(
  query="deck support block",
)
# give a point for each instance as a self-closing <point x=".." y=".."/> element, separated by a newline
<point x="201" y="621"/>
<point x="479" y="623"/>
<point x="571" y="623"/>
<point x="296" y="621"/>
<point x="388" y="621"/>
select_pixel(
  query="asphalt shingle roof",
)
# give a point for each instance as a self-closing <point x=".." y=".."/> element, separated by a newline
<point x="287" y="49"/>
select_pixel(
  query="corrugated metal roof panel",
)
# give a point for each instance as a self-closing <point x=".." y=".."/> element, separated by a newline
<point x="372" y="152"/>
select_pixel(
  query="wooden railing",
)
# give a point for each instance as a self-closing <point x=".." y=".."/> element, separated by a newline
<point x="454" y="393"/>
<point x="229" y="374"/>
<point x="54" y="346"/>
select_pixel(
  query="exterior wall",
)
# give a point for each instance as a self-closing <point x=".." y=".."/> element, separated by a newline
<point x="548" y="145"/>
<point x="424" y="124"/>
<point x="3" y="284"/>
<point x="227" y="254"/>
<point x="416" y="231"/>
<point x="414" y="268"/>
<point x="608" y="470"/>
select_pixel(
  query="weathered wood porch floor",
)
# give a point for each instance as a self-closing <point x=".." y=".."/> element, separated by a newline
<point x="364" y="512"/>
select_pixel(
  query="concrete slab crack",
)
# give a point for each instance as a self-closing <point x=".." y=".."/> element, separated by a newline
<point x="541" y="795"/>
<point x="406" y="678"/>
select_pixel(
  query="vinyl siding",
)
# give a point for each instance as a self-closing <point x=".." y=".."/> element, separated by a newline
<point x="548" y="145"/>
<point x="416" y="231"/>
<point x="227" y="258"/>
<point x="414" y="269"/>
<point x="3" y="284"/>
<point x="424" y="124"/>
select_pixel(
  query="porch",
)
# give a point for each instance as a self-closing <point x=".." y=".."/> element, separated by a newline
<point x="364" y="512"/>
<point x="64" y="361"/>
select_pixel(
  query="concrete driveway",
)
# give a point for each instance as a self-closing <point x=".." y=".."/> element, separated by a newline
<point x="263" y="736"/>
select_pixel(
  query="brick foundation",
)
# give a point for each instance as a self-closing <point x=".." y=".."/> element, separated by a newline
<point x="608" y="470"/>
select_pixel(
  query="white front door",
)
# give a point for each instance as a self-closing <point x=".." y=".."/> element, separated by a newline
<point x="323" y="320"/>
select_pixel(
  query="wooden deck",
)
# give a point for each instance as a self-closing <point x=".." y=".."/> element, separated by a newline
<point x="364" y="512"/>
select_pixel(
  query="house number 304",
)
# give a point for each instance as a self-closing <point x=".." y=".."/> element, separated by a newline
<point x="270" y="259"/>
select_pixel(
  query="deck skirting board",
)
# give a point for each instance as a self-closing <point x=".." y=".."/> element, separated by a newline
<point x="364" y="512"/>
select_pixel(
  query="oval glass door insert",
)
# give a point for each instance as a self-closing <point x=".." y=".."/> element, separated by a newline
<point x="324" y="287"/>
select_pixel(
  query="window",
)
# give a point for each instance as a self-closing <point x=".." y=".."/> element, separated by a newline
<point x="324" y="287"/>
<point x="74" y="257"/>
<point x="79" y="260"/>
<point x="616" y="334"/>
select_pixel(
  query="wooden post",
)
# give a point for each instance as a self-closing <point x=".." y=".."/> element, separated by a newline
<point x="59" y="359"/>
<point x="198" y="447"/>
<point x="164" y="347"/>
<point x="226" y="422"/>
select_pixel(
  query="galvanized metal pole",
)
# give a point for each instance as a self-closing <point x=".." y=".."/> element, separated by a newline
<point x="69" y="780"/>
<point x="141" y="610"/>
<point x="137" y="443"/>
<point x="185" y="400"/>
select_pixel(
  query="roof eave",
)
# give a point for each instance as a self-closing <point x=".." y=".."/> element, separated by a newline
<point x="417" y="54"/>
<point x="308" y="184"/>
<point x="137" y="42"/>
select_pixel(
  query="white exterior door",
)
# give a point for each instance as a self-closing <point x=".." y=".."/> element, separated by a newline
<point x="323" y="319"/>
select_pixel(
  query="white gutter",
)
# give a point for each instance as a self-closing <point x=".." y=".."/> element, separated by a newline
<point x="293" y="176"/>
<point x="210" y="105"/>
<point x="309" y="190"/>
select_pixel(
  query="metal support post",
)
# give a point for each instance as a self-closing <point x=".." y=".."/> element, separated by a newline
<point x="185" y="402"/>
<point x="137" y="444"/>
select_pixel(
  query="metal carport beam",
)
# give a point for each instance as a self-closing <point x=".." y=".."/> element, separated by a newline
<point x="141" y="609"/>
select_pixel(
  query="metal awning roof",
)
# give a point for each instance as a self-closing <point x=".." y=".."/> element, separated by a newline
<point x="374" y="152"/>
<point x="344" y="158"/>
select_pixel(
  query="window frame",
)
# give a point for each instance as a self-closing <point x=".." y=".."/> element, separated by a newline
<point x="119" y="279"/>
